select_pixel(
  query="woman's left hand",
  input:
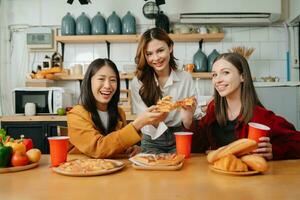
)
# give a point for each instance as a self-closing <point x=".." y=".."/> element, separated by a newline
<point x="132" y="151"/>
<point x="264" y="148"/>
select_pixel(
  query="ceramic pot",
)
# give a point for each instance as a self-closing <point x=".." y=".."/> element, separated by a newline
<point x="114" y="24"/>
<point x="211" y="58"/>
<point x="68" y="25"/>
<point x="83" y="25"/>
<point x="98" y="25"/>
<point x="162" y="21"/>
<point x="200" y="59"/>
<point x="128" y="24"/>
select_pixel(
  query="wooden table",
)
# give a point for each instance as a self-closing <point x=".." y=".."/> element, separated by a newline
<point x="194" y="181"/>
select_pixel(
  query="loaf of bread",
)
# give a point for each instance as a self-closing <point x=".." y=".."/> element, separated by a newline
<point x="231" y="163"/>
<point x="238" y="148"/>
<point x="255" y="162"/>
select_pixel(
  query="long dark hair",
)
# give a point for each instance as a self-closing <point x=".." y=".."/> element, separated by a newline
<point x="88" y="100"/>
<point x="249" y="98"/>
<point x="150" y="92"/>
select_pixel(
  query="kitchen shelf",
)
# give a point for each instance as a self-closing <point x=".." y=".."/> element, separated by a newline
<point x="213" y="37"/>
<point x="127" y="76"/>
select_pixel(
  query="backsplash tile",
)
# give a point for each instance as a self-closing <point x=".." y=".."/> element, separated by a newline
<point x="260" y="34"/>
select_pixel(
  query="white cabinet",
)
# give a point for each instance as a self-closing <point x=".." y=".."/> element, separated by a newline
<point x="294" y="10"/>
<point x="283" y="101"/>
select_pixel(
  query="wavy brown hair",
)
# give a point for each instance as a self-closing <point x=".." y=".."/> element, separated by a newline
<point x="150" y="92"/>
<point x="249" y="97"/>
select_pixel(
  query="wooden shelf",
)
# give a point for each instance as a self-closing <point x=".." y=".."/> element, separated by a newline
<point x="201" y="75"/>
<point x="215" y="37"/>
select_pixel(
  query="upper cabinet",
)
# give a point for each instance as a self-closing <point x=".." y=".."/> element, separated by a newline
<point x="215" y="37"/>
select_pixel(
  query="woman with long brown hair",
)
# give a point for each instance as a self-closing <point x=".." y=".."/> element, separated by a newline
<point x="236" y="104"/>
<point x="157" y="76"/>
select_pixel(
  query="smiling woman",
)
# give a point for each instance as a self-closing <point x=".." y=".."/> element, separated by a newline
<point x="97" y="127"/>
<point x="157" y="77"/>
<point x="236" y="104"/>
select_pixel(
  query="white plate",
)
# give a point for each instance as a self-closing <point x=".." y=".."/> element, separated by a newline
<point x="248" y="173"/>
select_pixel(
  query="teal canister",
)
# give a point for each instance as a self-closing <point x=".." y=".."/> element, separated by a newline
<point x="114" y="24"/>
<point x="68" y="25"/>
<point x="98" y="25"/>
<point x="211" y="58"/>
<point x="200" y="60"/>
<point x="128" y="24"/>
<point x="83" y="25"/>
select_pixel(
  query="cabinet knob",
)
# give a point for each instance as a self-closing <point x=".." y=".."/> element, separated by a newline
<point x="46" y="134"/>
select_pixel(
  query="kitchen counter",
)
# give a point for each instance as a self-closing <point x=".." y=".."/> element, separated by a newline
<point x="19" y="118"/>
<point x="194" y="181"/>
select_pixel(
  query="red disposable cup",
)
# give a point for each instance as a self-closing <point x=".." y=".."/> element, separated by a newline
<point x="183" y="143"/>
<point x="257" y="131"/>
<point x="58" y="149"/>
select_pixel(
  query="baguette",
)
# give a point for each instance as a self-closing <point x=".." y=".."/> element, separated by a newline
<point x="238" y="148"/>
<point x="255" y="162"/>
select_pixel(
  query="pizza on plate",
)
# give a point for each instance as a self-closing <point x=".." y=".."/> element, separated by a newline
<point x="87" y="165"/>
<point x="165" y="159"/>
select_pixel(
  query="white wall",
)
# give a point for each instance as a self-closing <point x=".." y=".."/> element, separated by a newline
<point x="268" y="58"/>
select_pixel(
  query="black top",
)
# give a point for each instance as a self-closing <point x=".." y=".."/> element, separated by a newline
<point x="224" y="134"/>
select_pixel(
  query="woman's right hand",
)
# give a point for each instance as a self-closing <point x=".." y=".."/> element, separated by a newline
<point x="187" y="114"/>
<point x="149" y="117"/>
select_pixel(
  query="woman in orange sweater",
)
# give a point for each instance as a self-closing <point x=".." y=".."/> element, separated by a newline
<point x="97" y="127"/>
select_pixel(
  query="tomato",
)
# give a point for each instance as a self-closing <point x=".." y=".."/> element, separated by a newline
<point x="34" y="155"/>
<point x="19" y="159"/>
<point x="28" y="143"/>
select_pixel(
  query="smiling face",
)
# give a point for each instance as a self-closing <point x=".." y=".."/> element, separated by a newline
<point x="226" y="79"/>
<point x="104" y="85"/>
<point x="158" y="55"/>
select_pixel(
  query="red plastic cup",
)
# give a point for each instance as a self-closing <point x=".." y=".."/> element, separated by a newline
<point x="58" y="149"/>
<point x="257" y="131"/>
<point x="183" y="143"/>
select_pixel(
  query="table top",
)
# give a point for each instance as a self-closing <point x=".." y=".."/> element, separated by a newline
<point x="194" y="181"/>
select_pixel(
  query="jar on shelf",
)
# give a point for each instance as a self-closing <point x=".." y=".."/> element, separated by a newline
<point x="200" y="59"/>
<point x="98" y="25"/>
<point x="128" y="24"/>
<point x="68" y="25"/>
<point x="211" y="58"/>
<point x="114" y="24"/>
<point x="83" y="25"/>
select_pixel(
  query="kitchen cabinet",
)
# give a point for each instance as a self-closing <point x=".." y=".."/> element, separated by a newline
<point x="38" y="131"/>
<point x="283" y="100"/>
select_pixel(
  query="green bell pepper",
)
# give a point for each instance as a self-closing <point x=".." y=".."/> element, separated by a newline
<point x="5" y="155"/>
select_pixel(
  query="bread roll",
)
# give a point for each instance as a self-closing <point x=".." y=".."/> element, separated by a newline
<point x="239" y="147"/>
<point x="255" y="162"/>
<point x="231" y="163"/>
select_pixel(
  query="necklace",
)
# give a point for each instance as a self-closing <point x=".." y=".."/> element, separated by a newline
<point x="232" y="115"/>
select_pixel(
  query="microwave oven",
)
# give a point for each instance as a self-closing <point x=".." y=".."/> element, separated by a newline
<point x="46" y="99"/>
